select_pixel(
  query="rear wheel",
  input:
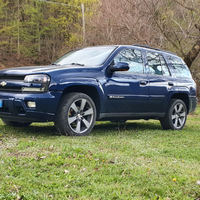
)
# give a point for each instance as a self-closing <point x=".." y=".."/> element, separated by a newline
<point x="76" y="115"/>
<point x="16" y="124"/>
<point x="176" y="115"/>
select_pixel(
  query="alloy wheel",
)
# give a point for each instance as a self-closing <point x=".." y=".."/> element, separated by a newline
<point x="80" y="115"/>
<point x="178" y="115"/>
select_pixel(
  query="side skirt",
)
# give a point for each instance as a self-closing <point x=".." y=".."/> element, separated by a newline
<point x="131" y="115"/>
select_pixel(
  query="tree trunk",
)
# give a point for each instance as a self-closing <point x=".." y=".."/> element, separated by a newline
<point x="18" y="42"/>
<point x="191" y="56"/>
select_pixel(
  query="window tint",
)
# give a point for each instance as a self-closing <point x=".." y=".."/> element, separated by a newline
<point x="157" y="64"/>
<point x="180" y="67"/>
<point x="133" y="57"/>
<point x="154" y="63"/>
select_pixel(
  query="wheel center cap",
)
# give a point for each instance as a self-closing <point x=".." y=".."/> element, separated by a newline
<point x="79" y="116"/>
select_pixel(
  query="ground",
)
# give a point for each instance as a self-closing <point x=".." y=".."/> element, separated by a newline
<point x="136" y="160"/>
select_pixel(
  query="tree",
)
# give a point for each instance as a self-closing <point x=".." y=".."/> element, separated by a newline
<point x="170" y="24"/>
<point x="178" y="23"/>
<point x="41" y="30"/>
<point x="121" y="22"/>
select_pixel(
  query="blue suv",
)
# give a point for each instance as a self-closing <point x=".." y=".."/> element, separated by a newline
<point x="115" y="83"/>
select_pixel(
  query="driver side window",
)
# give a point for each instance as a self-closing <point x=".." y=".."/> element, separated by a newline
<point x="133" y="57"/>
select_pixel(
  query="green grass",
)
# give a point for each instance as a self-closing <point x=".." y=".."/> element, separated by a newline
<point x="137" y="160"/>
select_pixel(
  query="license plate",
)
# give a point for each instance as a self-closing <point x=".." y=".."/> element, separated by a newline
<point x="1" y="103"/>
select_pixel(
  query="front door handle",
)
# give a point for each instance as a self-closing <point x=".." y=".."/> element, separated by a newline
<point x="143" y="82"/>
<point x="170" y="83"/>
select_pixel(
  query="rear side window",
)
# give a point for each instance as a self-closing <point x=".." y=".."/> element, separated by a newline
<point x="180" y="67"/>
<point x="157" y="64"/>
<point x="133" y="57"/>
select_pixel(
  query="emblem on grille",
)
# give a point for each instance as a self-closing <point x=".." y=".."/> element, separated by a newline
<point x="3" y="83"/>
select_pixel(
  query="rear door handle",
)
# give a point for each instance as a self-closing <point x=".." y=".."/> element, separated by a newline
<point x="143" y="82"/>
<point x="170" y="83"/>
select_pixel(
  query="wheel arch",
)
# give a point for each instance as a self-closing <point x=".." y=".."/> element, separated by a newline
<point x="91" y="91"/>
<point x="184" y="97"/>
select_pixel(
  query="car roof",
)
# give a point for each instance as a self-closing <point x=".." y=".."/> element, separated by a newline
<point x="147" y="47"/>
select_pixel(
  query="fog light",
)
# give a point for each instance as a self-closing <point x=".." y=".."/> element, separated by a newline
<point x="31" y="104"/>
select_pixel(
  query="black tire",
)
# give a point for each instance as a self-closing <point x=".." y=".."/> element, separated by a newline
<point x="176" y="115"/>
<point x="16" y="124"/>
<point x="75" y="115"/>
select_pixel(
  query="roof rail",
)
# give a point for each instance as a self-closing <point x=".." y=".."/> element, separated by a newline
<point x="148" y="47"/>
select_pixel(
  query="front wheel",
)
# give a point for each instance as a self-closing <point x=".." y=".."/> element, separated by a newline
<point x="76" y="115"/>
<point x="176" y="115"/>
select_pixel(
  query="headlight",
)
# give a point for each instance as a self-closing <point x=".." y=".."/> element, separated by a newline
<point x="39" y="78"/>
<point x="39" y="83"/>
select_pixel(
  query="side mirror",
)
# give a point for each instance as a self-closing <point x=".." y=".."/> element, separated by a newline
<point x="119" y="66"/>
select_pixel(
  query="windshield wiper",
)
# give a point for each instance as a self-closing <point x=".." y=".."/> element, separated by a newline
<point x="77" y="64"/>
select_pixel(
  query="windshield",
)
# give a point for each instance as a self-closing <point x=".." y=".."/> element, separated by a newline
<point x="86" y="56"/>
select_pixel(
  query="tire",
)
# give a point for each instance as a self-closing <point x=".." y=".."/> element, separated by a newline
<point x="176" y="115"/>
<point x="76" y="115"/>
<point x="16" y="124"/>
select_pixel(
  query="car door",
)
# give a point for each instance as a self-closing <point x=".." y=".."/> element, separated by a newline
<point x="127" y="92"/>
<point x="160" y="82"/>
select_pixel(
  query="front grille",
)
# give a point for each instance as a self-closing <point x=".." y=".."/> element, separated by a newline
<point x="11" y="83"/>
<point x="12" y="77"/>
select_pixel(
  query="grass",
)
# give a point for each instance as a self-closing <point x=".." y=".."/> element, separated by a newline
<point x="137" y="160"/>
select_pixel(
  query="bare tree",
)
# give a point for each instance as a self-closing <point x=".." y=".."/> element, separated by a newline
<point x="172" y="24"/>
<point x="178" y="22"/>
<point x="121" y="22"/>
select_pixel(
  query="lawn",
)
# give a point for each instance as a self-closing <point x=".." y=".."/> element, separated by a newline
<point x="136" y="160"/>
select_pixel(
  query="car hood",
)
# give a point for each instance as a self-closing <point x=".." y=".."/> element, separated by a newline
<point x="44" y="69"/>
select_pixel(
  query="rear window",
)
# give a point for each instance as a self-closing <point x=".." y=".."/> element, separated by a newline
<point x="180" y="67"/>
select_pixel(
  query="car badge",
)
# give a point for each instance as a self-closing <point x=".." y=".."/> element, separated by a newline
<point x="3" y="83"/>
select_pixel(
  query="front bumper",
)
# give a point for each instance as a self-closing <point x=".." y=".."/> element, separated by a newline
<point x="14" y="106"/>
<point x="192" y="103"/>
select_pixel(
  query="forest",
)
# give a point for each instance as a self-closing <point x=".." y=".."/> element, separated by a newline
<point x="37" y="32"/>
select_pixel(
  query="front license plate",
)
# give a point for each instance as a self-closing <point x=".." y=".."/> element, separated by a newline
<point x="1" y="103"/>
